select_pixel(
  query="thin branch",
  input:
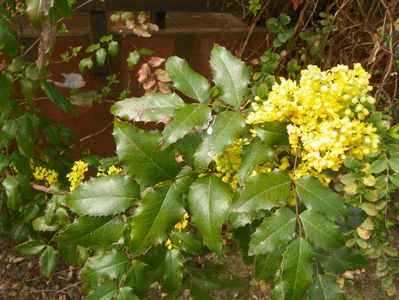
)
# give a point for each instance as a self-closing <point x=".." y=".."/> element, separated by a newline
<point x="47" y="190"/>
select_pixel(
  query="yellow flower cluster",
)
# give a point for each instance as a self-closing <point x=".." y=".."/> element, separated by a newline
<point x="111" y="170"/>
<point x="47" y="175"/>
<point x="183" y="223"/>
<point x="327" y="112"/>
<point x="77" y="175"/>
<point x="169" y="245"/>
<point x="228" y="162"/>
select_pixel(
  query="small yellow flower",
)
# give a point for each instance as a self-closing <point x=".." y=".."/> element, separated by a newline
<point x="183" y="223"/>
<point x="77" y="175"/>
<point x="169" y="245"/>
<point x="47" y="175"/>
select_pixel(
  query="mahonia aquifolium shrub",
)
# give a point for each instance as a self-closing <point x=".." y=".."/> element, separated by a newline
<point x="225" y="176"/>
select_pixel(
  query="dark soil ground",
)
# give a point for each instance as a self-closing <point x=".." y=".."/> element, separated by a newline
<point x="20" y="279"/>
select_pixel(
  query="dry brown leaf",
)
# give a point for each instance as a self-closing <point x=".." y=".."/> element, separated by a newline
<point x="144" y="73"/>
<point x="156" y="61"/>
<point x="162" y="75"/>
<point x="141" y="32"/>
<point x="130" y="24"/>
<point x="149" y="84"/>
<point x="164" y="88"/>
<point x="396" y="24"/>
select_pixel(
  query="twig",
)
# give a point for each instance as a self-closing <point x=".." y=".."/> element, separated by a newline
<point x="68" y="287"/>
<point x="47" y="190"/>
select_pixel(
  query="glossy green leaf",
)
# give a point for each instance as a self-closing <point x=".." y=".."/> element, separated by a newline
<point x="325" y="287"/>
<point x="316" y="196"/>
<point x="109" y="265"/>
<point x="126" y="293"/>
<point x="256" y="154"/>
<point x="10" y="185"/>
<point x="27" y="134"/>
<point x="159" y="210"/>
<point x="35" y="12"/>
<point x="321" y="231"/>
<point x="48" y="261"/>
<point x="187" y="242"/>
<point x="101" y="56"/>
<point x="273" y="133"/>
<point x="230" y="75"/>
<point x="340" y="260"/>
<point x="105" y="291"/>
<point x="184" y="120"/>
<point x="40" y="224"/>
<point x="92" y="232"/>
<point x="297" y="269"/>
<point x="9" y="44"/>
<point x="113" y="48"/>
<point x="138" y="278"/>
<point x="30" y="247"/>
<point x="85" y="63"/>
<point x="378" y="166"/>
<point x="133" y="59"/>
<point x="153" y="107"/>
<point x="59" y="10"/>
<point x="173" y="270"/>
<point x="103" y="196"/>
<point x="264" y="191"/>
<point x="55" y="96"/>
<point x="186" y="80"/>
<point x="209" y="200"/>
<point x="229" y="125"/>
<point x="273" y="232"/>
<point x="267" y="265"/>
<point x="138" y="151"/>
<point x="394" y="164"/>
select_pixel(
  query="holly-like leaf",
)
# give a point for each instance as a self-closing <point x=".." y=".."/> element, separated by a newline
<point x="159" y="210"/>
<point x="35" y="12"/>
<point x="186" y="80"/>
<point x="316" y="196"/>
<point x="230" y="75"/>
<point x="188" y="242"/>
<point x="321" y="231"/>
<point x="55" y="96"/>
<point x="274" y="231"/>
<point x="153" y="107"/>
<point x="256" y="154"/>
<point x="264" y="191"/>
<point x="30" y="247"/>
<point x="184" y="120"/>
<point x="48" y="261"/>
<point x="267" y="265"/>
<point x="10" y="185"/>
<point x="105" y="291"/>
<point x="133" y="58"/>
<point x="92" y="232"/>
<point x="228" y="126"/>
<point x="325" y="288"/>
<point x="273" y="133"/>
<point x="109" y="265"/>
<point x="173" y="270"/>
<point x="126" y="293"/>
<point x="342" y="259"/>
<point x="209" y="200"/>
<point x="297" y="270"/>
<point x="138" y="278"/>
<point x="138" y="151"/>
<point x="101" y="56"/>
<point x="103" y="196"/>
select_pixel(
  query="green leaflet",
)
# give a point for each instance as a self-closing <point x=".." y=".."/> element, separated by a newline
<point x="159" y="210"/>
<point x="186" y="80"/>
<point x="274" y="231"/>
<point x="297" y="270"/>
<point x="105" y="291"/>
<point x="151" y="107"/>
<point x="340" y="260"/>
<point x="138" y="151"/>
<point x="256" y="154"/>
<point x="325" y="288"/>
<point x="48" y="261"/>
<point x="138" y="278"/>
<point x="316" y="196"/>
<point x="273" y="133"/>
<point x="109" y="265"/>
<point x="267" y="265"/>
<point x="320" y="231"/>
<point x="264" y="191"/>
<point x="209" y="200"/>
<point x="92" y="232"/>
<point x="228" y="126"/>
<point x="103" y="196"/>
<point x="55" y="96"/>
<point x="30" y="247"/>
<point x="10" y="185"/>
<point x="184" y="120"/>
<point x="173" y="270"/>
<point x="230" y="75"/>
